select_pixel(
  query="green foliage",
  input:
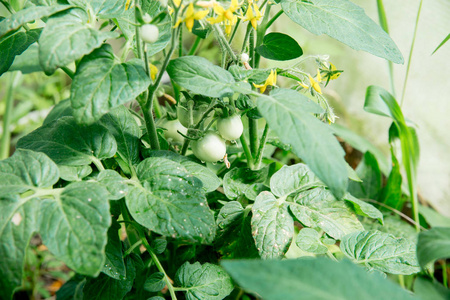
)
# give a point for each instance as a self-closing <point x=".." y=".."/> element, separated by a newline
<point x="381" y="251"/>
<point x="311" y="278"/>
<point x="136" y="216"/>
<point x="101" y="83"/>
<point x="433" y="244"/>
<point x="207" y="281"/>
<point x="14" y="44"/>
<point x="345" y="22"/>
<point x="279" y="46"/>
<point x="75" y="37"/>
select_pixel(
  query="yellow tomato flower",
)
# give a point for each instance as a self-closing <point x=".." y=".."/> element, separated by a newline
<point x="153" y="71"/>
<point x="335" y="75"/>
<point x="271" y="80"/>
<point x="319" y="77"/>
<point x="315" y="85"/>
<point x="253" y="17"/>
<point x="191" y="15"/>
<point x="225" y="16"/>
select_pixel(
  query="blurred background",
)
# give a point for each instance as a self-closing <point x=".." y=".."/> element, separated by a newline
<point x="426" y="102"/>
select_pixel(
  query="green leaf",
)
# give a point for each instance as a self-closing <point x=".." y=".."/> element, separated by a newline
<point x="272" y="226"/>
<point x="28" y="61"/>
<point x="244" y="181"/>
<point x="27" y="15"/>
<point x="102" y="83"/>
<point x="234" y="236"/>
<point x="392" y="192"/>
<point x="381" y="102"/>
<point x="114" y="184"/>
<point x="155" y="282"/>
<point x="114" y="265"/>
<point x="394" y="225"/>
<point x="200" y="76"/>
<point x="345" y="22"/>
<point x="381" y="251"/>
<point x="26" y="170"/>
<point x="74" y="173"/>
<point x="433" y="218"/>
<point x="433" y="244"/>
<point x="442" y="43"/>
<point x="279" y="46"/>
<point x="371" y="176"/>
<point x="67" y="37"/>
<point x="23" y="171"/>
<point x="363" y="208"/>
<point x="311" y="279"/>
<point x="104" y="9"/>
<point x="74" y="225"/>
<point x="68" y="143"/>
<point x="288" y="114"/>
<point x="426" y="289"/>
<point x="122" y="125"/>
<point x="61" y="109"/>
<point x="206" y="282"/>
<point x="209" y="179"/>
<point x="309" y="240"/>
<point x="171" y="201"/>
<point x="72" y="289"/>
<point x="105" y="287"/>
<point x="318" y="208"/>
<point x="295" y="178"/>
<point x="14" y="44"/>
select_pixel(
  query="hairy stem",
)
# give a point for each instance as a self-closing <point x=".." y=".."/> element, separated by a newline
<point x="262" y="145"/>
<point x="159" y="266"/>
<point x="6" y="137"/>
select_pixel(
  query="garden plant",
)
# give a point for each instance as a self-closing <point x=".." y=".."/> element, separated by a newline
<point x="173" y="173"/>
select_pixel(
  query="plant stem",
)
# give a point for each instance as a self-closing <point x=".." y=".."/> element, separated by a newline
<point x="234" y="31"/>
<point x="224" y="42"/>
<point x="253" y="133"/>
<point x="260" y="34"/>
<point x="131" y="249"/>
<point x="159" y="266"/>
<point x="247" y="152"/>
<point x="444" y="274"/>
<point x="195" y="45"/>
<point x="251" y="47"/>
<point x="150" y="125"/>
<point x="401" y="281"/>
<point x="68" y="71"/>
<point x="262" y="145"/>
<point x="6" y="136"/>
<point x="411" y="53"/>
<point x="98" y="163"/>
<point x="274" y="18"/>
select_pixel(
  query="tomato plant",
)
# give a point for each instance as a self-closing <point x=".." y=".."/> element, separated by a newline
<point x="109" y="186"/>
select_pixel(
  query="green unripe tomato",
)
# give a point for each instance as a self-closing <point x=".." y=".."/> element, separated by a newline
<point x="230" y="128"/>
<point x="149" y="33"/>
<point x="211" y="147"/>
<point x="171" y="133"/>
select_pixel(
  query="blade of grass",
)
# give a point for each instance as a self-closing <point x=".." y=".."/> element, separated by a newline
<point x="411" y="52"/>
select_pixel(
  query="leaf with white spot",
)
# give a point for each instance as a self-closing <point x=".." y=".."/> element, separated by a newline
<point x="171" y="202"/>
<point x="319" y="208"/>
<point x="203" y="282"/>
<point x="272" y="226"/>
<point x="25" y="170"/>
